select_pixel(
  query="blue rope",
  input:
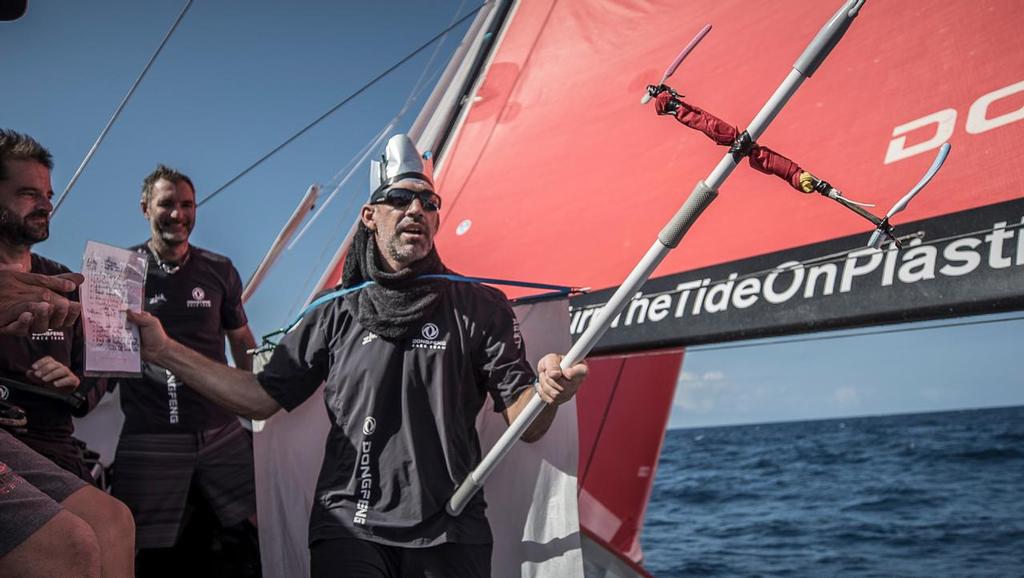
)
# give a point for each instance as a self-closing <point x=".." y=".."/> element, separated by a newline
<point x="558" y="288"/>
<point x="555" y="290"/>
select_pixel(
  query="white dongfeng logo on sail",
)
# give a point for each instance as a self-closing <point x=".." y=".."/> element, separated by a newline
<point x="430" y="331"/>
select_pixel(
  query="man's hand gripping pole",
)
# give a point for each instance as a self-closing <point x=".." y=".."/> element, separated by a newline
<point x="669" y="238"/>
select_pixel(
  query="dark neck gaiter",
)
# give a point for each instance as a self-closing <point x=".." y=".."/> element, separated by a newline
<point x="395" y="303"/>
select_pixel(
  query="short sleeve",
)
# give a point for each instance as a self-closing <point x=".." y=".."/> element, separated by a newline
<point x="503" y="358"/>
<point x="300" y="362"/>
<point x="232" y="314"/>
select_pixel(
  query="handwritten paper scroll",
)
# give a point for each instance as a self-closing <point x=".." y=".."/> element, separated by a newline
<point x="115" y="280"/>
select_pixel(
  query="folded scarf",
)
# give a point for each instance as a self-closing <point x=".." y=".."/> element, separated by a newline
<point x="396" y="303"/>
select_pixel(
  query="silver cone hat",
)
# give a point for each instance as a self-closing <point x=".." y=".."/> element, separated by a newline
<point x="401" y="162"/>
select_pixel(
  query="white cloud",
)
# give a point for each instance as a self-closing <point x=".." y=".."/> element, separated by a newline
<point x="701" y="393"/>
<point x="686" y="376"/>
<point x="847" y="395"/>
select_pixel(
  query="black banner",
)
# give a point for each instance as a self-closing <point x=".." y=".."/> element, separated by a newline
<point x="963" y="263"/>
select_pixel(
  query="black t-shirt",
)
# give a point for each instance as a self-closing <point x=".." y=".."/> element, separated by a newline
<point x="196" y="304"/>
<point x="49" y="420"/>
<point x="402" y="413"/>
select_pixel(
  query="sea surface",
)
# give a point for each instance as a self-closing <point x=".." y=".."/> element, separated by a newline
<point x="930" y="495"/>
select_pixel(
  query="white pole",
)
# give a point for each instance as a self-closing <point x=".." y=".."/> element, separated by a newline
<point x="305" y="206"/>
<point x="668" y="239"/>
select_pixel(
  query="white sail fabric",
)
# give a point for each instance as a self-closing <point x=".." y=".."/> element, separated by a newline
<point x="531" y="497"/>
<point x="287" y="449"/>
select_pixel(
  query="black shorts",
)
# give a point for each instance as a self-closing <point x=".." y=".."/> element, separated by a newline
<point x="31" y="489"/>
<point x="65" y="452"/>
<point x="153" y="474"/>
<point x="355" y="558"/>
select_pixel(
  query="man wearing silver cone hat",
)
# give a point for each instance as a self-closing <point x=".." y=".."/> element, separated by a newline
<point x="408" y="360"/>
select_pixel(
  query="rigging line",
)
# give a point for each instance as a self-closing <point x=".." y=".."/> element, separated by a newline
<point x="494" y="127"/>
<point x="345" y="168"/>
<point x="334" y="108"/>
<point x="417" y="89"/>
<point x="421" y="82"/>
<point x="702" y="348"/>
<point x="117" y="112"/>
<point x="600" y="430"/>
<point x="412" y="95"/>
<point x="345" y="173"/>
<point x="831" y="258"/>
<point x="331" y="244"/>
<point x="361" y="156"/>
<point x="336" y="238"/>
<point x="353" y="165"/>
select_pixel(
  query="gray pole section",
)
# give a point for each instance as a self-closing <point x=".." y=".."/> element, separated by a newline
<point x="668" y="239"/>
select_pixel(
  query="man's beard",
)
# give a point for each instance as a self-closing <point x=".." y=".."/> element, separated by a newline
<point x="171" y="239"/>
<point x="398" y="252"/>
<point x="22" y="232"/>
<point x="403" y="253"/>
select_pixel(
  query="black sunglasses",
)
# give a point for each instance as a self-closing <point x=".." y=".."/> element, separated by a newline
<point x="402" y="198"/>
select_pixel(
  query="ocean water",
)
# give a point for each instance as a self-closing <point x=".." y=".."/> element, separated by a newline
<point x="930" y="495"/>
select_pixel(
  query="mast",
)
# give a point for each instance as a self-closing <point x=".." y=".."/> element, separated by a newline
<point x="445" y="107"/>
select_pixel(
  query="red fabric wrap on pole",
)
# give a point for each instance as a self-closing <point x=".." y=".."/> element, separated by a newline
<point x="761" y="158"/>
<point x="696" y="118"/>
<point x="770" y="162"/>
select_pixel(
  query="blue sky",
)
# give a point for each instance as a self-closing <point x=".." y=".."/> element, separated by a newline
<point x="238" y="78"/>
<point x="933" y="368"/>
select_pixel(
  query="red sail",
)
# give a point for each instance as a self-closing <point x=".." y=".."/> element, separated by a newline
<point x="555" y="173"/>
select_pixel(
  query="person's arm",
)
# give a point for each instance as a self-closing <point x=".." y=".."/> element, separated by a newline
<point x="232" y="314"/>
<point x="48" y="371"/>
<point x="540" y="426"/>
<point x="554" y="387"/>
<point x="241" y="342"/>
<point x="236" y="390"/>
<point x="31" y="303"/>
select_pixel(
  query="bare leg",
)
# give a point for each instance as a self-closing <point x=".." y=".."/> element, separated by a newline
<point x="64" y="546"/>
<point x="113" y="526"/>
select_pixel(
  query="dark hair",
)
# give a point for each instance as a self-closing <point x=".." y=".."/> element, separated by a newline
<point x="168" y="174"/>
<point x="15" y="146"/>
